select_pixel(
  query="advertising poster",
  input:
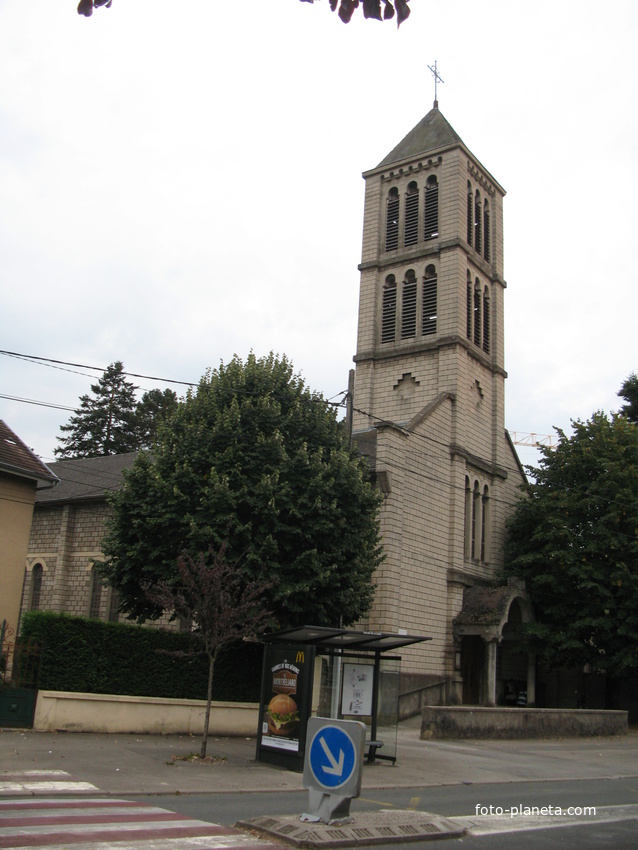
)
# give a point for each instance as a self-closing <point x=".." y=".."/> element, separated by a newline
<point x="356" y="697"/>
<point x="285" y="703"/>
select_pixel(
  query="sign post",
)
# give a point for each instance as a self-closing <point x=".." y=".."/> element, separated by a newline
<point x="332" y="768"/>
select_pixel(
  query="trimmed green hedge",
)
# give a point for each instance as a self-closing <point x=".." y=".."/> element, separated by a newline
<point x="91" y="656"/>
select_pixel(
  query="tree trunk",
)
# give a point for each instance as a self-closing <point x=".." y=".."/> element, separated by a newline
<point x="209" y="699"/>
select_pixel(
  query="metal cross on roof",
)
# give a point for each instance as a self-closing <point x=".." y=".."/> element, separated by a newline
<point x="437" y="79"/>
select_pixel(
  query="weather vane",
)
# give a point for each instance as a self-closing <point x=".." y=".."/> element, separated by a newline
<point x="437" y="79"/>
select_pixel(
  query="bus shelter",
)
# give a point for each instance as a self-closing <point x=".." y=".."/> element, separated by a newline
<point x="338" y="673"/>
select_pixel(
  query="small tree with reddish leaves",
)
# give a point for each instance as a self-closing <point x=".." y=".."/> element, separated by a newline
<point x="223" y="603"/>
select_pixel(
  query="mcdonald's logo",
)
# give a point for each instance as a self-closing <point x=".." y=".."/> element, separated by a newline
<point x="301" y="658"/>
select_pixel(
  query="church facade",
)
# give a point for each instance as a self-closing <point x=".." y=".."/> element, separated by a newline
<point x="429" y="400"/>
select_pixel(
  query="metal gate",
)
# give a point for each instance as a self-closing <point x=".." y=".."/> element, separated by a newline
<point x="19" y="668"/>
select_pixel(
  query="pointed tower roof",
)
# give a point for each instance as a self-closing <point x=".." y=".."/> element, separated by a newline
<point x="431" y="133"/>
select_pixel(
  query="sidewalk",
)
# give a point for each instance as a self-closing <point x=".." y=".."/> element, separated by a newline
<point x="144" y="764"/>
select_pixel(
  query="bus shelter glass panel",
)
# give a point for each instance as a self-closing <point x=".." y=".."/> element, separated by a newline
<point x="347" y="692"/>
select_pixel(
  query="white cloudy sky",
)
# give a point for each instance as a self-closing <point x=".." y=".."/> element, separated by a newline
<point x="180" y="182"/>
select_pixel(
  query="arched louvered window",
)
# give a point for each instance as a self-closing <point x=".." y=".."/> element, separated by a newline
<point x="485" y="525"/>
<point x="469" y="307"/>
<point x="477" y="312"/>
<point x="408" y="306"/>
<point x="431" y="217"/>
<point x="486" y="231"/>
<point x="470" y="216"/>
<point x="36" y="587"/>
<point x="411" y="227"/>
<point x="486" y="320"/>
<point x="429" y="301"/>
<point x="392" y="221"/>
<point x="389" y="309"/>
<point x="478" y="243"/>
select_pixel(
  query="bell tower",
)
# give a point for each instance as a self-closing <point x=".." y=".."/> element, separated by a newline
<point x="429" y="381"/>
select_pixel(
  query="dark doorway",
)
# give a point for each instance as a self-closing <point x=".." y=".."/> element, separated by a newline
<point x="472" y="664"/>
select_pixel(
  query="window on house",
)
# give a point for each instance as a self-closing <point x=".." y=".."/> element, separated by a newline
<point x="411" y="231"/>
<point x="114" y="604"/>
<point x="96" y="594"/>
<point x="389" y="309"/>
<point x="431" y="217"/>
<point x="477" y="312"/>
<point x="392" y="221"/>
<point x="429" y="301"/>
<point x="477" y="222"/>
<point x="408" y="306"/>
<point x="486" y="320"/>
<point x="486" y="231"/>
<point x="36" y="587"/>
<point x="470" y="216"/>
<point x="468" y="307"/>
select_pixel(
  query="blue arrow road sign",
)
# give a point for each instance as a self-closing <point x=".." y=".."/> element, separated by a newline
<point x="332" y="757"/>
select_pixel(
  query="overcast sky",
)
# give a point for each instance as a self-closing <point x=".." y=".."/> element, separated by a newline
<point x="180" y="182"/>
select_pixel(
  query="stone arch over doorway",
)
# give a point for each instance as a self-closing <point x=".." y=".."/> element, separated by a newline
<point x="488" y="634"/>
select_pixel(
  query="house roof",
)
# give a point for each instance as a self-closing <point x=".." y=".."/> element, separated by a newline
<point x="431" y="133"/>
<point x="17" y="459"/>
<point x="86" y="478"/>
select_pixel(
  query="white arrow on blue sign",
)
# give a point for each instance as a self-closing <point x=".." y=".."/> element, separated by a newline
<point x="333" y="755"/>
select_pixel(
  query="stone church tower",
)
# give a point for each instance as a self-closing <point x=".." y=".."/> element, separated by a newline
<point x="428" y="405"/>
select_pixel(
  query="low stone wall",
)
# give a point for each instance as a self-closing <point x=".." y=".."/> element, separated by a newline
<point x="470" y="721"/>
<point x="77" y="712"/>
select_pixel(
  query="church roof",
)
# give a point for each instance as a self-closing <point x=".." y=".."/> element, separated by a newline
<point x="431" y="133"/>
<point x="86" y="478"/>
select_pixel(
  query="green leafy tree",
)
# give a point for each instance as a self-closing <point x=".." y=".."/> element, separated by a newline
<point x="381" y="10"/>
<point x="223" y="605"/>
<point x="629" y="392"/>
<point x="574" y="540"/>
<point x="104" y="422"/>
<point x="254" y="458"/>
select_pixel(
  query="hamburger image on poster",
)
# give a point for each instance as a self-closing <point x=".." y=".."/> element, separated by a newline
<point x="282" y="715"/>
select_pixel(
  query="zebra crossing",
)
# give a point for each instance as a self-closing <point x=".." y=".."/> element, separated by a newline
<point x="77" y="819"/>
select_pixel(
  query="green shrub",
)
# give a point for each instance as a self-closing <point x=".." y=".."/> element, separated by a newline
<point x="92" y="656"/>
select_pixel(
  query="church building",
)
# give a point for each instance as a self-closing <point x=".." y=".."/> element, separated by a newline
<point x="429" y="408"/>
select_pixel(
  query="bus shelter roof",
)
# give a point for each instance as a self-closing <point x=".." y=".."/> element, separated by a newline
<point x="324" y="637"/>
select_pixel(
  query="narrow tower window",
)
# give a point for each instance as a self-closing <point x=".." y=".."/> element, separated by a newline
<point x="486" y="320"/>
<point x="470" y="217"/>
<point x="411" y="233"/>
<point x="486" y="231"/>
<point x="392" y="221"/>
<point x="485" y="526"/>
<point x="429" y="301"/>
<point x="389" y="309"/>
<point x="468" y="307"/>
<point x="408" y="307"/>
<point x="477" y="222"/>
<point x="431" y="220"/>
<point x="477" y="312"/>
<point x="476" y="521"/>
<point x="467" y="537"/>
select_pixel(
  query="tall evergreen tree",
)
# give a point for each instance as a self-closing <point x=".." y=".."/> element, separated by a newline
<point x="104" y="424"/>
<point x="629" y="392"/>
<point x="153" y="408"/>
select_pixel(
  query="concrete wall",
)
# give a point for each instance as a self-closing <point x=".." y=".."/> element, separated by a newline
<point x="77" y="712"/>
<point x="482" y="722"/>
